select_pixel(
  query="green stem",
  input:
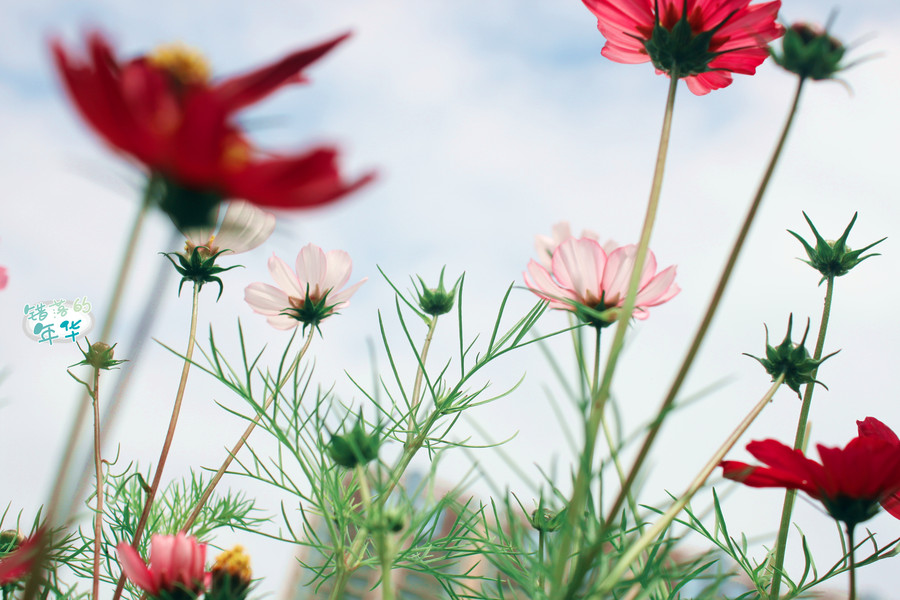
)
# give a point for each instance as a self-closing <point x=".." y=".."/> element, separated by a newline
<point x="688" y="361"/>
<point x="98" y="516"/>
<point x="598" y="400"/>
<point x="56" y="495"/>
<point x="170" y="434"/>
<point x="799" y="443"/>
<point x="540" y="560"/>
<point x="629" y="556"/>
<point x="420" y="372"/>
<point x="204" y="498"/>
<point x="852" y="562"/>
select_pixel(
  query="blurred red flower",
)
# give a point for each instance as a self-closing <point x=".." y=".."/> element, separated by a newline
<point x="18" y="563"/>
<point x="163" y="110"/>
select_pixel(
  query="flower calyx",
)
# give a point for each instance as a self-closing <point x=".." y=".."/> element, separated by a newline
<point x="833" y="258"/>
<point x="546" y="521"/>
<point x="791" y="360"/>
<point x="810" y="52"/>
<point x="98" y="355"/>
<point x="677" y="49"/>
<point x="230" y="576"/>
<point x="355" y="446"/>
<point x="198" y="266"/>
<point x="310" y="310"/>
<point x="436" y="301"/>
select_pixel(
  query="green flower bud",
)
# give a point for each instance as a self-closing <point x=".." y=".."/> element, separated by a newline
<point x="833" y="258"/>
<point x="199" y="266"/>
<point x="99" y="355"/>
<point x="809" y="51"/>
<point x="355" y="447"/>
<point x="437" y="301"/>
<point x="791" y="360"/>
<point x="10" y="539"/>
<point x="394" y="519"/>
<point x="547" y="521"/>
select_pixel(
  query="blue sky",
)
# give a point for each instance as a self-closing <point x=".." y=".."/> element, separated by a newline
<point x="487" y="122"/>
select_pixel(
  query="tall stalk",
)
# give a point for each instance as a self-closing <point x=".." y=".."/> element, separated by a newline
<point x="170" y="434"/>
<point x="799" y="443"/>
<point x="688" y="361"/>
<point x="601" y="394"/>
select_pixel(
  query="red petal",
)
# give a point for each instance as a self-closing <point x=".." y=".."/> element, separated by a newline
<point x="243" y="90"/>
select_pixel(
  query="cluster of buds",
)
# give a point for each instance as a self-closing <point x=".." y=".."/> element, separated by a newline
<point x="791" y="360"/>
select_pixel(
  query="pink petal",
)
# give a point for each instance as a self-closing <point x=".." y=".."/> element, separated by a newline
<point x="134" y="568"/>
<point x="266" y="299"/>
<point x="340" y="299"/>
<point x="244" y="227"/>
<point x="311" y="268"/>
<point x="285" y="278"/>
<point x="337" y="272"/>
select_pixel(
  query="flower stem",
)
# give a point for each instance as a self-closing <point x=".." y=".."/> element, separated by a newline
<point x="852" y="562"/>
<point x="688" y="361"/>
<point x="56" y="494"/>
<point x="98" y="516"/>
<point x="417" y="386"/>
<point x="170" y="434"/>
<point x="799" y="443"/>
<point x="243" y="440"/>
<point x="660" y="525"/>
<point x="601" y="394"/>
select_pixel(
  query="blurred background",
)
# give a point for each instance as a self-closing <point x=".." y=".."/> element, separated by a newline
<point x="487" y="124"/>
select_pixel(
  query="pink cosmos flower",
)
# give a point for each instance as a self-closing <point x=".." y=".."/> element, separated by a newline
<point x="583" y="274"/>
<point x="546" y="244"/>
<point x="4" y="278"/>
<point x="307" y="296"/>
<point x="703" y="41"/>
<point x="176" y="562"/>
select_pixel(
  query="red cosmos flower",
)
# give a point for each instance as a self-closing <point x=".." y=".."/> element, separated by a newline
<point x="703" y="41"/>
<point x="873" y="428"/>
<point x="850" y="482"/>
<point x="163" y="110"/>
<point x="177" y="564"/>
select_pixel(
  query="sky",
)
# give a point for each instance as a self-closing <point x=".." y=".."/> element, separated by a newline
<point x="487" y="123"/>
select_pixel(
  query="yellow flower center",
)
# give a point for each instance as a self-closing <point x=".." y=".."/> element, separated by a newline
<point x="187" y="65"/>
<point x="234" y="562"/>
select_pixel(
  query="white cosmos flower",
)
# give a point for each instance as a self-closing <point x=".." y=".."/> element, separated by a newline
<point x="308" y="295"/>
<point x="243" y="228"/>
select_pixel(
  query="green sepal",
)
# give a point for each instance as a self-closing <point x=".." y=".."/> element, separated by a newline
<point x="312" y="312"/>
<point x="198" y="268"/>
<point x="833" y="259"/>
<point x="98" y="355"/>
<point x="791" y="360"/>
<point x="809" y="52"/>
<point x="436" y="301"/>
<point x="355" y="446"/>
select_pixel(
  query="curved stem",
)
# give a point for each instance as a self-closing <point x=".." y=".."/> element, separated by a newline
<point x="661" y="524"/>
<point x="601" y="394"/>
<point x="98" y="516"/>
<point x="688" y="361"/>
<point x="417" y="386"/>
<point x="799" y="443"/>
<point x="243" y="439"/>
<point x="170" y="434"/>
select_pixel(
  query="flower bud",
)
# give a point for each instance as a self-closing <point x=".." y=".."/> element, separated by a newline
<point x="355" y="447"/>
<point x="10" y="539"/>
<point x="546" y="521"/>
<point x="833" y="258"/>
<point x="791" y="360"/>
<point x="99" y="355"/>
<point x="809" y="51"/>
<point x="437" y="301"/>
<point x="394" y="519"/>
<point x="231" y="576"/>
